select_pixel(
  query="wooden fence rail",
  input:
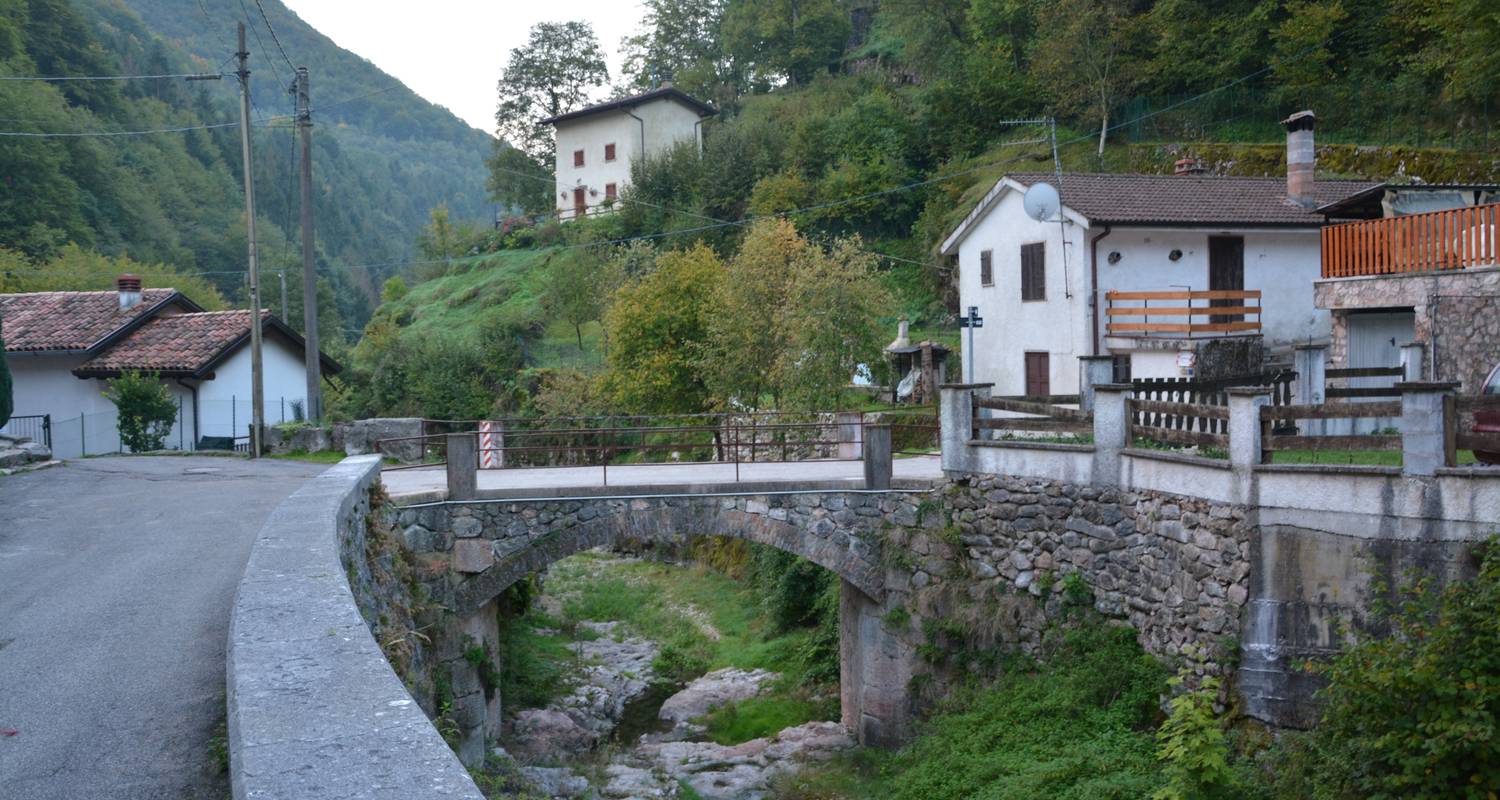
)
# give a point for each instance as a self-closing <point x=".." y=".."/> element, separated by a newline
<point x="1174" y="423"/>
<point x="1272" y="441"/>
<point x="1048" y="415"/>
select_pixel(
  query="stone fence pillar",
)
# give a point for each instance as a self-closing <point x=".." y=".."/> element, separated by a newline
<point x="877" y="457"/>
<point x="1110" y="431"/>
<point x="1245" y="445"/>
<point x="956" y="420"/>
<point x="1423" y="426"/>
<point x="1413" y="362"/>
<point x="1093" y="371"/>
<point x="463" y="466"/>
<point x="850" y="428"/>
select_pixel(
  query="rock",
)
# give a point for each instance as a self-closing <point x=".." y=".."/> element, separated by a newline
<point x="630" y="783"/>
<point x="549" y="733"/>
<point x="13" y="458"/>
<point x="472" y="555"/>
<point x="717" y="688"/>
<point x="738" y="772"/>
<point x="467" y="527"/>
<point x="363" y="436"/>
<point x="556" y="782"/>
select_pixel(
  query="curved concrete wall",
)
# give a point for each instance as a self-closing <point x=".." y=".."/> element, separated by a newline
<point x="315" y="710"/>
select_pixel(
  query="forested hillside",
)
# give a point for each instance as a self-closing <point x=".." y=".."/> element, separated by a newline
<point x="382" y="156"/>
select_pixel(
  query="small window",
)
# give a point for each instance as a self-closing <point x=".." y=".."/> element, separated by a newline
<point x="1034" y="271"/>
<point x="986" y="268"/>
<point x="1121" y="364"/>
<point x="610" y="192"/>
<point x="577" y="158"/>
<point x="609" y="152"/>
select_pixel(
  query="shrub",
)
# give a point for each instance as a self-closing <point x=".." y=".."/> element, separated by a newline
<point x="1191" y="744"/>
<point x="146" y="410"/>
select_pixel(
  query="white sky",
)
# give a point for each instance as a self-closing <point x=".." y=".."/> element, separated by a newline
<point x="452" y="51"/>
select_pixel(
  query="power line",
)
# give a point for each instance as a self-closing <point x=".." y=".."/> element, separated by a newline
<point x="255" y="31"/>
<point x="77" y="134"/>
<point x="274" y="37"/>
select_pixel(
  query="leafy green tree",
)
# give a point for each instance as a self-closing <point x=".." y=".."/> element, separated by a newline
<point x="519" y="181"/>
<point x="572" y="290"/>
<point x="775" y="41"/>
<point x="657" y="325"/>
<point x="1083" y="54"/>
<point x="746" y="339"/>
<point x="549" y="75"/>
<point x="1304" y="59"/>
<point x="833" y="322"/>
<point x="678" y="41"/>
<point x="146" y="410"/>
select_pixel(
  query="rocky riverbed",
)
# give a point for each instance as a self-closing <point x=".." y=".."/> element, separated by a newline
<point x="620" y="732"/>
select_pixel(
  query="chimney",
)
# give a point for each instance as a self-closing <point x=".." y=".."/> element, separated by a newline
<point x="1186" y="166"/>
<point x="130" y="291"/>
<point x="903" y="335"/>
<point x="1300" y="158"/>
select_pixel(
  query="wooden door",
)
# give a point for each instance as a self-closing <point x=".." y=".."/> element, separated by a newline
<point x="1226" y="271"/>
<point x="1038" y="375"/>
<point x="580" y="202"/>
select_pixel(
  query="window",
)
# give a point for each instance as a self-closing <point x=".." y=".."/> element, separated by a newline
<point x="610" y="192"/>
<point x="609" y="152"/>
<point x="1121" y="364"/>
<point x="1034" y="271"/>
<point x="1038" y="374"/>
<point x="577" y="158"/>
<point x="986" y="268"/>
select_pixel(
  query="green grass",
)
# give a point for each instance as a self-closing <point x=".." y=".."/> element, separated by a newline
<point x="1379" y="458"/>
<point x="506" y="285"/>
<point x="321" y="457"/>
<point x="759" y="716"/>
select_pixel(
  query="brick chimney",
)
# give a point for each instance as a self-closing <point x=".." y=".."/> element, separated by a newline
<point x="129" y="287"/>
<point x="1186" y="166"/>
<point x="1300" y="158"/>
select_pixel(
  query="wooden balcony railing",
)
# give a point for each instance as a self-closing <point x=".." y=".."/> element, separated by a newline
<point x="1458" y="238"/>
<point x="1172" y="313"/>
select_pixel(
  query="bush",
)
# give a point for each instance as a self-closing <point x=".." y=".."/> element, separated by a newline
<point x="1191" y="744"/>
<point x="146" y="410"/>
<point x="1415" y="714"/>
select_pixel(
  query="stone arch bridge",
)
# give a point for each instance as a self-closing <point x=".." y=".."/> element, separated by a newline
<point x="491" y="544"/>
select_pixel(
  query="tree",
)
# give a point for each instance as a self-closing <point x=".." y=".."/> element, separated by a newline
<point x="771" y="41"/>
<point x="550" y="75"/>
<point x="571" y="290"/>
<point x="678" y="41"/>
<point x="833" y="323"/>
<point x="519" y="181"/>
<point x="1303" y="60"/>
<point x="146" y="410"/>
<point x="657" y="326"/>
<point x="1082" y="54"/>
<point x="443" y="239"/>
<point x="746" y="340"/>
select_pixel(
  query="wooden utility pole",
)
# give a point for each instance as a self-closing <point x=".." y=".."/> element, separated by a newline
<point x="257" y="380"/>
<point x="309" y="273"/>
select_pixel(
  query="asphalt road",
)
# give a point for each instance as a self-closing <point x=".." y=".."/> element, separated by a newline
<point x="116" y="581"/>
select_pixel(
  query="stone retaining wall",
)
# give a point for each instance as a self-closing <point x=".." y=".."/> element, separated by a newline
<point x="315" y="710"/>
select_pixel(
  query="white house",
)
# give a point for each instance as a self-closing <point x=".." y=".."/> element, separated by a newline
<point x="62" y="347"/>
<point x="1131" y="266"/>
<point x="597" y="145"/>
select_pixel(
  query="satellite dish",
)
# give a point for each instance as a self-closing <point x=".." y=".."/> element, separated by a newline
<point x="1041" y="201"/>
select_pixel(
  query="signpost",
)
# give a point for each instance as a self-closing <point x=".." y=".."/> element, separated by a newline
<point x="972" y="321"/>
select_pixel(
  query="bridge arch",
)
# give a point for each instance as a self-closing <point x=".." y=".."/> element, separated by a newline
<point x="491" y="544"/>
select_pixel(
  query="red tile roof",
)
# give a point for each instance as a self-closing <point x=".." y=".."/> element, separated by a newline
<point x="1189" y="199"/>
<point x="73" y="320"/>
<point x="178" y="343"/>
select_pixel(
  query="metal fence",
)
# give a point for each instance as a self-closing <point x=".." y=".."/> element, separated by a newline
<point x="36" y="427"/>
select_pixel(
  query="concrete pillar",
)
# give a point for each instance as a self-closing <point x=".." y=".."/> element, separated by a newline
<point x="1413" y="362"/>
<point x="1245" y="451"/>
<point x="877" y="457"/>
<point x="850" y="427"/>
<point x="473" y="661"/>
<point x="956" y="415"/>
<point x="1423" y="426"/>
<point x="1093" y="371"/>
<point x="463" y="466"/>
<point x="1311" y="363"/>
<point x="1111" y="431"/>
<point x="875" y="669"/>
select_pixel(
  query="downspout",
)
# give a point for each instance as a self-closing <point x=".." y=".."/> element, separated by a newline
<point x="194" y="390"/>
<point x="643" y="132"/>
<point x="1094" y="288"/>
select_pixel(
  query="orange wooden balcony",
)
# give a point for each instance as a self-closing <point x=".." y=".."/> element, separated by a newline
<point x="1183" y="313"/>
<point x="1458" y="238"/>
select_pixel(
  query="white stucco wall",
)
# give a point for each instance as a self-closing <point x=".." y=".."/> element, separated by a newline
<point x="285" y="380"/>
<point x="664" y="122"/>
<point x="1012" y="327"/>
<point x="1283" y="264"/>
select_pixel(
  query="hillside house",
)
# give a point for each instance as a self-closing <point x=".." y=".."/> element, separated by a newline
<point x="1173" y="275"/>
<point x="1418" y="264"/>
<point x="62" y="347"/>
<point x="597" y="145"/>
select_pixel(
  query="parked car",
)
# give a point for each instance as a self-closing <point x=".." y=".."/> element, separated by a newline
<point x="1488" y="421"/>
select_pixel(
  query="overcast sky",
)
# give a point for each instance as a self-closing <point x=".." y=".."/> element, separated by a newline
<point x="452" y="51"/>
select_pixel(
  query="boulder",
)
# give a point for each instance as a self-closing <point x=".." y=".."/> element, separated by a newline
<point x="363" y="436"/>
<point x="717" y="688"/>
<point x="546" y="733"/>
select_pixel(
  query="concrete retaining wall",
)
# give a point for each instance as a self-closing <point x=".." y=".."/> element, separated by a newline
<point x="315" y="710"/>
